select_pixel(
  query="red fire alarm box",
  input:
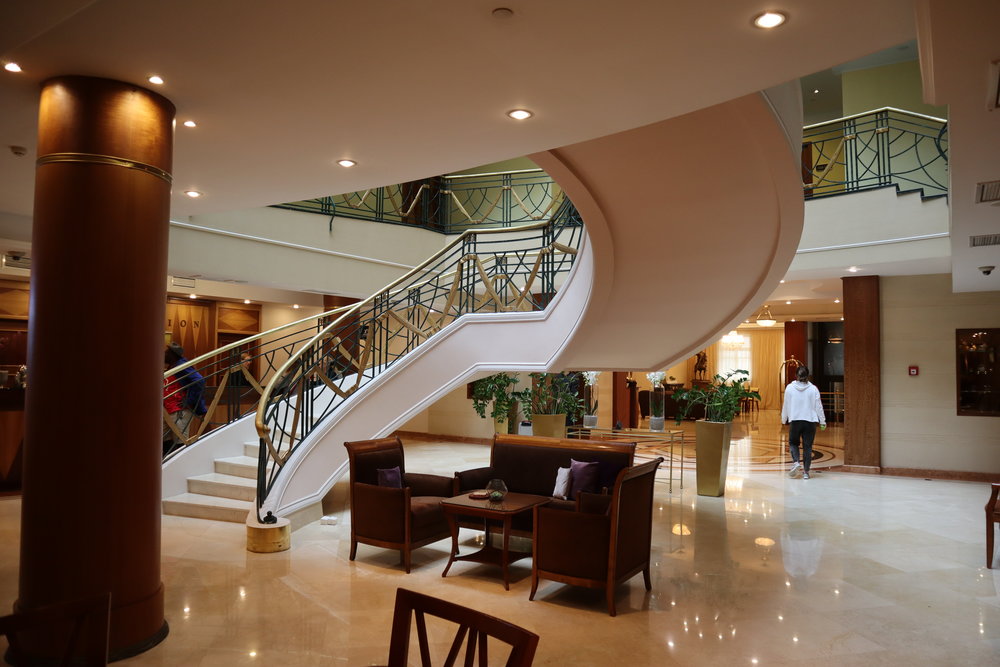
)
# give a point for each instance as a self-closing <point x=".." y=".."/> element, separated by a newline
<point x="914" y="370"/>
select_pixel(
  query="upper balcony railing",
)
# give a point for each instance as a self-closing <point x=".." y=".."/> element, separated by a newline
<point x="448" y="204"/>
<point x="876" y="149"/>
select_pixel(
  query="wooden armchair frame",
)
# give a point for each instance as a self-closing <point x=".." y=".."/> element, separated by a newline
<point x="383" y="516"/>
<point x="567" y="535"/>
<point x="474" y="629"/>
<point x="86" y="622"/>
<point x="992" y="518"/>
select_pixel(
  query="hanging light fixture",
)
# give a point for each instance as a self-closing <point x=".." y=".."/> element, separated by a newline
<point x="733" y="339"/>
<point x="765" y="319"/>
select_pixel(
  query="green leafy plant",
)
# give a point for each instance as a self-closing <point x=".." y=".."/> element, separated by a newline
<point x="721" y="398"/>
<point x="551" y="394"/>
<point x="496" y="390"/>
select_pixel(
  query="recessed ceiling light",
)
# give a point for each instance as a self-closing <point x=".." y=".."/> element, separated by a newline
<point x="190" y="123"/>
<point x="192" y="296"/>
<point x="782" y="281"/>
<point x="769" y="19"/>
<point x="788" y="303"/>
<point x="793" y="319"/>
<point x="193" y="194"/>
<point x="815" y="91"/>
<point x="155" y="79"/>
<point x="246" y="300"/>
<point x="12" y="67"/>
<point x="836" y="300"/>
<point x="520" y="114"/>
<point x="295" y="306"/>
<point x="841" y="319"/>
<point x="346" y="163"/>
<point x="853" y="269"/>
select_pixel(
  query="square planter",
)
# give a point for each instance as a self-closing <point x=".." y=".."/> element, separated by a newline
<point x="712" y="456"/>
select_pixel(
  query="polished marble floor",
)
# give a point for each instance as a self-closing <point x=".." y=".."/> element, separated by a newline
<point x="841" y="569"/>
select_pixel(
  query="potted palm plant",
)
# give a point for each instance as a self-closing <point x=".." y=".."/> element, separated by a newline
<point x="496" y="391"/>
<point x="721" y="400"/>
<point x="549" y="400"/>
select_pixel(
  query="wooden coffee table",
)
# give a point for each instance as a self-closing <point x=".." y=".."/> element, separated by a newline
<point x="503" y="511"/>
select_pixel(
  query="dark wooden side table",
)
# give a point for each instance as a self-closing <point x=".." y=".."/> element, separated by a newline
<point x="503" y="511"/>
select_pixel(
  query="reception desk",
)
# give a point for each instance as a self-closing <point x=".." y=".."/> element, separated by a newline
<point x="11" y="438"/>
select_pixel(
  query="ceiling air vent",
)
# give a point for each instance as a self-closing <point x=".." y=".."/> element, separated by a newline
<point x="16" y="260"/>
<point x="182" y="282"/>
<point x="988" y="191"/>
<point x="984" y="240"/>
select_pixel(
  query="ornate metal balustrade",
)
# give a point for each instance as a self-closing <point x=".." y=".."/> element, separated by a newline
<point x="482" y="271"/>
<point x="448" y="204"/>
<point x="234" y="377"/>
<point x="876" y="149"/>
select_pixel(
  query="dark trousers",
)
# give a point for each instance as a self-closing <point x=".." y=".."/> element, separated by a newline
<point x="805" y="432"/>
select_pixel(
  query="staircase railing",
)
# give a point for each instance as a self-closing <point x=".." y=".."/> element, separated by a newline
<point x="873" y="150"/>
<point x="448" y="204"/>
<point x="482" y="271"/>
<point x="233" y="377"/>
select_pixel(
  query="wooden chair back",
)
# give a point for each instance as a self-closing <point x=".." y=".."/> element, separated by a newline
<point x="85" y="623"/>
<point x="474" y="629"/>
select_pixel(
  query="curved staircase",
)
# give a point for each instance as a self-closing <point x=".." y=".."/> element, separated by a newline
<point x="678" y="250"/>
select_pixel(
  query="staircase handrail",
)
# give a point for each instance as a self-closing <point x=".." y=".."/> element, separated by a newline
<point x="372" y="335"/>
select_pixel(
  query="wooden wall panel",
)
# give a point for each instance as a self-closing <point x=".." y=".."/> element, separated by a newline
<point x="191" y="323"/>
<point x="796" y="345"/>
<point x="14" y="299"/>
<point x="239" y="318"/>
<point x="862" y="373"/>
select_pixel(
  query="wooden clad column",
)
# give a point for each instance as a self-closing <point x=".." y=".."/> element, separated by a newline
<point x="862" y="375"/>
<point x="90" y="519"/>
<point x="796" y="342"/>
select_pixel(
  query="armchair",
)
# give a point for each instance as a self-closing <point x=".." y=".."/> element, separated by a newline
<point x="394" y="518"/>
<point x="603" y="543"/>
<point x="992" y="517"/>
<point x="474" y="630"/>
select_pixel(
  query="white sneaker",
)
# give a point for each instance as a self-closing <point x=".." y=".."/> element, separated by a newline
<point x="805" y="475"/>
<point x="795" y="470"/>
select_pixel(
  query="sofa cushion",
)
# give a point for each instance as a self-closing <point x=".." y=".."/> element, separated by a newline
<point x="562" y="487"/>
<point x="390" y="477"/>
<point x="584" y="477"/>
<point x="426" y="516"/>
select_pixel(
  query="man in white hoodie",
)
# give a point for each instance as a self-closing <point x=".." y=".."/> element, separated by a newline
<point x="802" y="410"/>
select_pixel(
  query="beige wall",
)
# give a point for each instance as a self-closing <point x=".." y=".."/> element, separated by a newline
<point x="895" y="85"/>
<point x="920" y="427"/>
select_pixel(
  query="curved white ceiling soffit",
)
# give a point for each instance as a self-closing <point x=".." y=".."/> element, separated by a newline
<point x="692" y="221"/>
<point x="280" y="91"/>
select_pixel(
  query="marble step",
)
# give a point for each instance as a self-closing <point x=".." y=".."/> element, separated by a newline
<point x="251" y="449"/>
<point x="239" y="466"/>
<point x="223" y="486"/>
<point x="199" y="506"/>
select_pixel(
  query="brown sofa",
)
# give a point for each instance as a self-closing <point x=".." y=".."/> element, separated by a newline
<point x="528" y="464"/>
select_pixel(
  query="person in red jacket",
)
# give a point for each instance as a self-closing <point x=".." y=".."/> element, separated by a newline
<point x="173" y="403"/>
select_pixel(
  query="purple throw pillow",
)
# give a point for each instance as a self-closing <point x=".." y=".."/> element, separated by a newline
<point x="584" y="477"/>
<point x="390" y="477"/>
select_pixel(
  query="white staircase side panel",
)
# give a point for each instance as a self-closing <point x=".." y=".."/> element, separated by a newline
<point x="871" y="216"/>
<point x="467" y="348"/>
<point x="200" y="457"/>
<point x="900" y="233"/>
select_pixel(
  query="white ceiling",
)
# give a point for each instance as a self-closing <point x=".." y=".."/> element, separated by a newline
<point x="408" y="89"/>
